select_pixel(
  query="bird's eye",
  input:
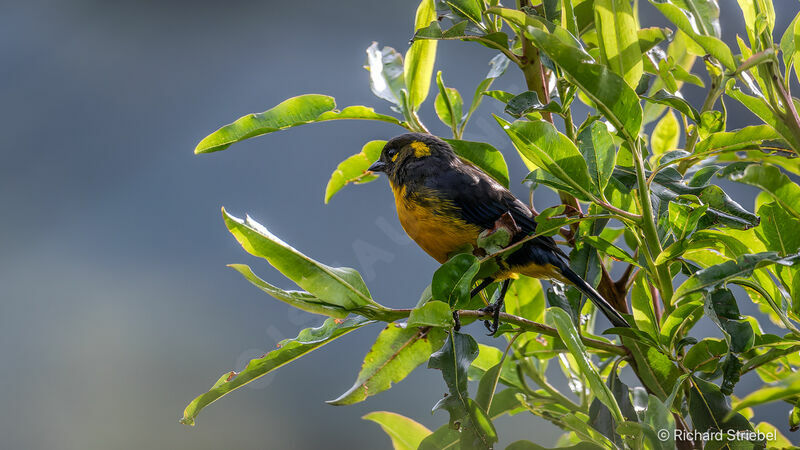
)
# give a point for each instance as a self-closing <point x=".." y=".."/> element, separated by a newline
<point x="392" y="153"/>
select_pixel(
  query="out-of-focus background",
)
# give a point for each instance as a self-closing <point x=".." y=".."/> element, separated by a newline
<point x="116" y="307"/>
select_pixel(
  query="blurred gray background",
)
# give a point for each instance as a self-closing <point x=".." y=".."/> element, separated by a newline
<point x="117" y="308"/>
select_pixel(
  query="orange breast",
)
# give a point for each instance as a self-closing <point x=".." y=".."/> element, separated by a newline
<point x="431" y="223"/>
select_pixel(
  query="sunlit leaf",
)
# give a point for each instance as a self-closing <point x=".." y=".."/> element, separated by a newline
<point x="398" y="350"/>
<point x="597" y="147"/>
<point x="418" y="67"/>
<point x="452" y="281"/>
<point x="772" y="181"/>
<point x="665" y="135"/>
<point x="406" y="434"/>
<point x="434" y="313"/>
<point x="617" y="35"/>
<point x="484" y="156"/>
<point x="448" y="104"/>
<point x="354" y="168"/>
<point x="709" y="409"/>
<point x="288" y="350"/>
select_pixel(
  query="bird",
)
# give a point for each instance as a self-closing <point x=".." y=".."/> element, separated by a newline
<point x="444" y="202"/>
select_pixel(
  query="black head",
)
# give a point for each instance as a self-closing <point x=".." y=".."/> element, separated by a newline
<point x="410" y="152"/>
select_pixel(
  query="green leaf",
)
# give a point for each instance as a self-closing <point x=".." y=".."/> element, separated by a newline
<point x="525" y="298"/>
<point x="612" y="95"/>
<point x="659" y="417"/>
<point x="454" y="360"/>
<point x="498" y="64"/>
<point x="773" y="182"/>
<point x="709" y="409"/>
<point x="354" y="169"/>
<point x="686" y="21"/>
<point x="448" y="104"/>
<point x="340" y="286"/>
<point x="650" y="37"/>
<point x="398" y="350"/>
<point x="665" y="98"/>
<point x="386" y="79"/>
<point x="618" y="39"/>
<point x="665" y="135"/>
<point x="683" y="219"/>
<point x="558" y="318"/>
<point x="642" y="304"/>
<point x="682" y="317"/>
<point x="761" y="108"/>
<point x="722" y="309"/>
<point x="298" y="299"/>
<point x="432" y="314"/>
<point x="469" y="9"/>
<point x="597" y="147"/>
<point x="550" y="150"/>
<point x="609" y="249"/>
<point x="778" y="230"/>
<point x="656" y="371"/>
<point x="787" y="388"/>
<point x="288" y="350"/>
<point x="406" y="434"/>
<point x="742" y="139"/>
<point x="744" y="266"/>
<point x="483" y="155"/>
<point x="452" y="281"/>
<point x="528" y="102"/>
<point x="705" y="355"/>
<point x="289" y="113"/>
<point x="418" y="67"/>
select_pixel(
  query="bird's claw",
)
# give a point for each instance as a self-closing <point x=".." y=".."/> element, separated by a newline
<point x="456" y="320"/>
<point x="494" y="310"/>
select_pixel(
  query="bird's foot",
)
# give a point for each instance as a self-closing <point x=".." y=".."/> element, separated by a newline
<point x="494" y="310"/>
<point x="457" y="320"/>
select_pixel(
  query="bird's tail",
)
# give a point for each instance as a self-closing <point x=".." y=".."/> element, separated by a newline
<point x="612" y="314"/>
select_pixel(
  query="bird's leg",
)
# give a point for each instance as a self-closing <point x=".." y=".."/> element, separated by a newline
<point x="481" y="286"/>
<point x="495" y="308"/>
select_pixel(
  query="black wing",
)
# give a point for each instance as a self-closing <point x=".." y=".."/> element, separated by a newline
<point x="481" y="200"/>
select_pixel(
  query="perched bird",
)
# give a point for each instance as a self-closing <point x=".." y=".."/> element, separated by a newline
<point x="445" y="202"/>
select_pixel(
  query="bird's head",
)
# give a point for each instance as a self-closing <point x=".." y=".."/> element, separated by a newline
<point x="412" y="155"/>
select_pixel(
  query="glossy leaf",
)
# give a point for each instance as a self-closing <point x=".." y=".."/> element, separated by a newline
<point x="398" y="350"/>
<point x="642" y="304"/>
<point x="354" y="169"/>
<point x="659" y="417"/>
<point x="709" y="409"/>
<point x="288" y="350"/>
<point x="787" y="388"/>
<point x="772" y="181"/>
<point x="761" y="108"/>
<point x="432" y="314"/>
<point x="452" y="281"/>
<point x="597" y="147"/>
<point x="528" y="102"/>
<point x="418" y="66"/>
<point x="559" y="319"/>
<point x="747" y="137"/>
<point x="609" y="249"/>
<point x="484" y="156"/>
<point x="469" y="9"/>
<point x="295" y="111"/>
<point x="679" y="104"/>
<point x="611" y="94"/>
<point x="448" y="104"/>
<point x="778" y="230"/>
<point x="722" y="309"/>
<point x="340" y="286"/>
<point x="705" y="355"/>
<point x="386" y="78"/>
<point x="550" y="150"/>
<point x="665" y="135"/>
<point x="406" y="434"/>
<point x="617" y="35"/>
<point x="686" y="21"/>
<point x="721" y="273"/>
<point x="298" y="299"/>
<point x="525" y="298"/>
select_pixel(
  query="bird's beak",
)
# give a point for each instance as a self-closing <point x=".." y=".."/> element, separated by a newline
<point x="379" y="166"/>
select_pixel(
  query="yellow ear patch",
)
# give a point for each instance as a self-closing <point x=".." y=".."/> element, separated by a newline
<point x="420" y="149"/>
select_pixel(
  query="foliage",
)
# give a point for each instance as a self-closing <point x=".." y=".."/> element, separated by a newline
<point x="638" y="180"/>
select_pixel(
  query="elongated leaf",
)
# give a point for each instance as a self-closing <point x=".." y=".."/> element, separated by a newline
<point x="525" y="298"/>
<point x="772" y="181"/>
<point x="762" y="109"/>
<point x="705" y="355"/>
<point x="454" y="359"/>
<point x="642" y="304"/>
<point x="354" y="168"/>
<point x="298" y="299"/>
<point x="686" y="21"/>
<point x="721" y="273"/>
<point x="543" y="145"/>
<point x="597" y="147"/>
<point x="340" y="286"/>
<point x="665" y="135"/>
<point x="611" y="94"/>
<point x="721" y="308"/>
<point x="558" y="318"/>
<point x="418" y="67"/>
<point x="295" y="111"/>
<point x="617" y="35"/>
<point x="451" y="282"/>
<point x="682" y="317"/>
<point x="498" y="64"/>
<point x="659" y="417"/>
<point x="469" y="9"/>
<point x="747" y="137"/>
<point x="448" y="104"/>
<point x="432" y="314"/>
<point x="528" y="102"/>
<point x="679" y="104"/>
<point x="398" y="350"/>
<point x="609" y="249"/>
<point x="406" y="434"/>
<point x="484" y="156"/>
<point x="386" y="74"/>
<point x="787" y="388"/>
<point x="709" y="408"/>
<point x="288" y="350"/>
